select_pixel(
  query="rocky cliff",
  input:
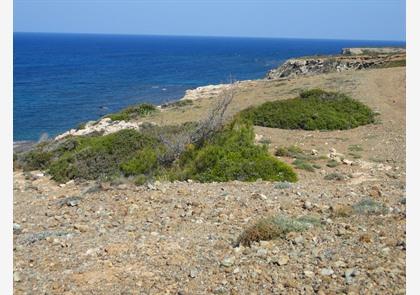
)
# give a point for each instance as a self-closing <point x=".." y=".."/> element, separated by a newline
<point x="338" y="63"/>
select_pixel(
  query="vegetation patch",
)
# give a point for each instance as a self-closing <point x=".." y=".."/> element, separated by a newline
<point x="332" y="163"/>
<point x="334" y="176"/>
<point x="314" y="109"/>
<point x="303" y="165"/>
<point x="274" y="227"/>
<point x="370" y="207"/>
<point x="157" y="153"/>
<point x="355" y="148"/>
<point x="178" y="104"/>
<point x="232" y="155"/>
<point x="133" y="112"/>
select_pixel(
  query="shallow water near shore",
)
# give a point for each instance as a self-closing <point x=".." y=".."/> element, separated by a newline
<point x="61" y="80"/>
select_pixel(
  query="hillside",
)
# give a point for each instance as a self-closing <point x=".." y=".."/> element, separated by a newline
<point x="181" y="237"/>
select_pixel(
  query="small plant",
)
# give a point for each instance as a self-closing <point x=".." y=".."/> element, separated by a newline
<point x="274" y="227"/>
<point x="370" y="207"/>
<point x="355" y="155"/>
<point x="293" y="152"/>
<point x="178" y="103"/>
<point x="314" y="109"/>
<point x="343" y="211"/>
<point x="334" y="176"/>
<point x="283" y="185"/>
<point x="355" y="148"/>
<point x="304" y="165"/>
<point x="133" y="112"/>
<point x="265" y="141"/>
<point x="332" y="163"/>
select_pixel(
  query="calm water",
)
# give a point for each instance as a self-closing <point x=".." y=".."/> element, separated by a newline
<point x="61" y="80"/>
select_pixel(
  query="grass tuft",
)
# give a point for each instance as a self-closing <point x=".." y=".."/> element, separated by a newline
<point x="274" y="227"/>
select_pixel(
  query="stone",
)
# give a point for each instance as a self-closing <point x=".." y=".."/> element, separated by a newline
<point x="228" y="261"/>
<point x="282" y="260"/>
<point x="349" y="274"/>
<point x="308" y="273"/>
<point x="17" y="277"/>
<point x="327" y="272"/>
<point x="347" y="162"/>
<point x="17" y="229"/>
<point x="307" y="205"/>
<point x="193" y="273"/>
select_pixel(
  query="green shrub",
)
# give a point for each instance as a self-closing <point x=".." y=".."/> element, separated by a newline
<point x="370" y="207"/>
<point x="355" y="148"/>
<point x="144" y="162"/>
<point x="232" y="155"/>
<point x="229" y="154"/>
<point x="100" y="157"/>
<point x="312" y="110"/>
<point x="304" y="165"/>
<point x="132" y="112"/>
<point x="332" y="163"/>
<point x="334" y="176"/>
<point x="178" y="103"/>
<point x="36" y="159"/>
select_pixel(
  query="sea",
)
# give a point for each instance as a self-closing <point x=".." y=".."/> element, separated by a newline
<point x="61" y="80"/>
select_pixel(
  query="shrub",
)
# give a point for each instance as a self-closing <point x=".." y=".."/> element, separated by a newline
<point x="232" y="155"/>
<point x="312" y="110"/>
<point x="355" y="148"/>
<point x="132" y="112"/>
<point x="274" y="227"/>
<point x="332" y="163"/>
<point x="101" y="156"/>
<point x="145" y="161"/>
<point x="36" y="159"/>
<point x="178" y="103"/>
<point x="304" y="165"/>
<point x="370" y="207"/>
<point x="334" y="176"/>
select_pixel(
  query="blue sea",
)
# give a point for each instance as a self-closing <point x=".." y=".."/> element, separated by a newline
<point x="61" y="80"/>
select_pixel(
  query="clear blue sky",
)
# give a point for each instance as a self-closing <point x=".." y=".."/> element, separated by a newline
<point x="328" y="19"/>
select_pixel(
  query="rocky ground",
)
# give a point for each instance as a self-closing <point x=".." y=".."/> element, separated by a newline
<point x="179" y="238"/>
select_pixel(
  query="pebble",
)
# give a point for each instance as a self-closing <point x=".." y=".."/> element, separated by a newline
<point x="229" y="261"/>
<point x="308" y="273"/>
<point x="17" y="277"/>
<point x="349" y="274"/>
<point x="308" y="205"/>
<point x="193" y="273"/>
<point x="283" y="260"/>
<point x="17" y="229"/>
<point x="326" y="271"/>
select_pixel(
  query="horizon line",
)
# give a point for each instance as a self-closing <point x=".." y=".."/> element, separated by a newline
<point x="206" y="36"/>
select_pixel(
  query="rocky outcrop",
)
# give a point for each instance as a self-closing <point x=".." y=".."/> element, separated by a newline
<point x="104" y="126"/>
<point x="328" y="64"/>
<point x="372" y="50"/>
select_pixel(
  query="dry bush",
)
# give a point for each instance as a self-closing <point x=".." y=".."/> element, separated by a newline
<point x="176" y="144"/>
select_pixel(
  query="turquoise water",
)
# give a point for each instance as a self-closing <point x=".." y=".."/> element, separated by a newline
<point x="61" y="80"/>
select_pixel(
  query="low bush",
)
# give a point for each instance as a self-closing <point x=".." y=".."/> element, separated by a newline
<point x="334" y="176"/>
<point x="229" y="154"/>
<point x="178" y="104"/>
<point x="332" y="163"/>
<point x="133" y="112"/>
<point x="312" y="110"/>
<point x="232" y="155"/>
<point x="369" y="207"/>
<point x="274" y="227"/>
<point x="303" y="165"/>
<point x="101" y="157"/>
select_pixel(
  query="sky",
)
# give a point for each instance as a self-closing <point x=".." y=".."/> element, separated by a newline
<point x="313" y="19"/>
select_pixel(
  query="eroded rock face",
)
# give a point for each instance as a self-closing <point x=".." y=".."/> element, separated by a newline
<point x="372" y="50"/>
<point x="105" y="126"/>
<point x="327" y="64"/>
